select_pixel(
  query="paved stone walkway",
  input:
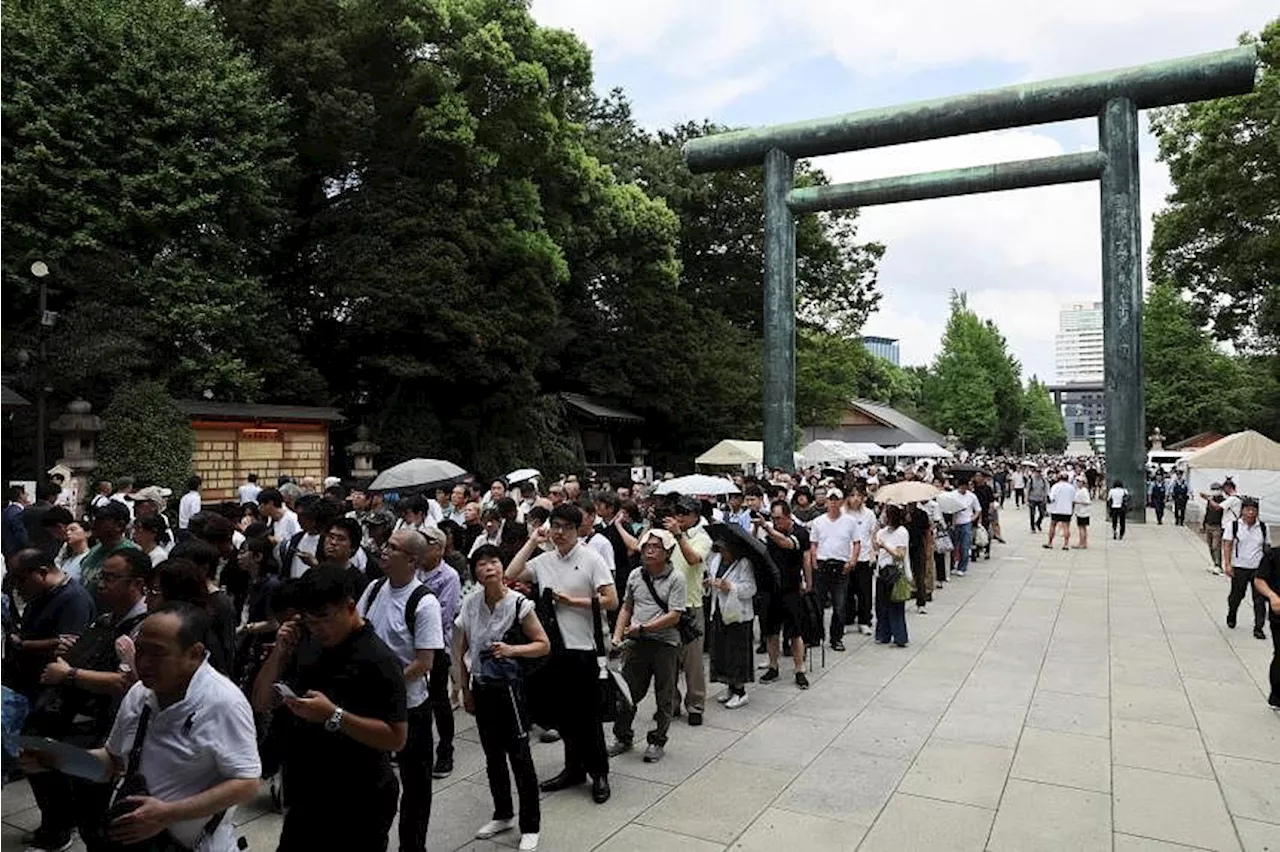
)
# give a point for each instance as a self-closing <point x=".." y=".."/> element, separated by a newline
<point x="1086" y="700"/>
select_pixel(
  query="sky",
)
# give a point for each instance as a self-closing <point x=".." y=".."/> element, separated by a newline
<point x="1020" y="254"/>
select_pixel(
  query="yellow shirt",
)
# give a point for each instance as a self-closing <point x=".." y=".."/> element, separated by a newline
<point x="700" y="543"/>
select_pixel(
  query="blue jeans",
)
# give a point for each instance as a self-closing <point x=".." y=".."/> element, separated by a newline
<point x="891" y="618"/>
<point x="964" y="543"/>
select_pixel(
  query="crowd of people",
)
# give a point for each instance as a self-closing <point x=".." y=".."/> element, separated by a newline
<point x="310" y="625"/>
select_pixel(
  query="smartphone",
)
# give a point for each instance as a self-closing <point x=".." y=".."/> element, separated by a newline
<point x="284" y="690"/>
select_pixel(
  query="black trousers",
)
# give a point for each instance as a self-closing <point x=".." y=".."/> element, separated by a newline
<point x="1036" y="509"/>
<point x="858" y="606"/>
<point x="831" y="582"/>
<point x="358" y="823"/>
<point x="1275" y="661"/>
<point x="940" y="565"/>
<point x="1242" y="579"/>
<point x="1179" y="512"/>
<point x="415" y="777"/>
<point x="441" y="709"/>
<point x="1117" y="521"/>
<point x="503" y="726"/>
<point x="1018" y="497"/>
<point x="68" y="803"/>
<point x="575" y="677"/>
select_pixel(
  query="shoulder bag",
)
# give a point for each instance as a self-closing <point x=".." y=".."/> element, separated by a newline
<point x="688" y="624"/>
<point x="615" y="695"/>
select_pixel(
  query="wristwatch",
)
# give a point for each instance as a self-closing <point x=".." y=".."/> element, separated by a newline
<point x="334" y="723"/>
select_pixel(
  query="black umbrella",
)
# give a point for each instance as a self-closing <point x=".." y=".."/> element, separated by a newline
<point x="965" y="471"/>
<point x="768" y="577"/>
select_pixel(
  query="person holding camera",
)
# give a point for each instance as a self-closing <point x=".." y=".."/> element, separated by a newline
<point x="574" y="576"/>
<point x="344" y="690"/>
<point x="648" y="638"/>
<point x="495" y="630"/>
<point x="184" y="742"/>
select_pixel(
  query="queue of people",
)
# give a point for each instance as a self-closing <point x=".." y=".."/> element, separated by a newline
<point x="302" y="631"/>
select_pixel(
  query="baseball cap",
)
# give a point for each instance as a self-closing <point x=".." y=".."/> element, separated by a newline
<point x="382" y="517"/>
<point x="151" y="494"/>
<point x="330" y="481"/>
<point x="835" y="494"/>
<point x="433" y="534"/>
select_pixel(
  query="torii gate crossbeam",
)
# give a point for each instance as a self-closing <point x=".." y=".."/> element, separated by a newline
<point x="1113" y="97"/>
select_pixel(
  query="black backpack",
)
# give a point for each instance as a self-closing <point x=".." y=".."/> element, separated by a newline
<point x="1235" y="538"/>
<point x="410" y="606"/>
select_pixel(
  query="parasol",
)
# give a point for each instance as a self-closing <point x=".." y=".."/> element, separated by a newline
<point x="416" y="473"/>
<point x="696" y="484"/>
<point x="524" y="474"/>
<point x="768" y="577"/>
<point x="960" y="472"/>
<point x="907" y="491"/>
<point x="949" y="502"/>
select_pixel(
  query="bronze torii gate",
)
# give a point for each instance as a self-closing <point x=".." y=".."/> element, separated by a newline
<point x="1114" y="97"/>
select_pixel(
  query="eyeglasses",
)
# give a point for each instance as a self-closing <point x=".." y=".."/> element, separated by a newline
<point x="563" y="527"/>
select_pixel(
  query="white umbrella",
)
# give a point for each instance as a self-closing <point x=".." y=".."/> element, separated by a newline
<point x="524" y="474"/>
<point x="415" y="472"/>
<point x="697" y="483"/>
<point x="907" y="491"/>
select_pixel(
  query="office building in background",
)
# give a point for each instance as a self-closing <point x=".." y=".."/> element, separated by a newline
<point x="1078" y="350"/>
<point x="884" y="347"/>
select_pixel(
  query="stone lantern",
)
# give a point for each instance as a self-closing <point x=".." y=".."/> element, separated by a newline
<point x="362" y="452"/>
<point x="79" y="428"/>
<point x="1157" y="440"/>
<point x="953" y="441"/>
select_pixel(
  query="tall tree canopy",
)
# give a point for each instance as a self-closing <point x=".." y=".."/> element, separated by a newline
<point x="1219" y="238"/>
<point x="142" y="161"/>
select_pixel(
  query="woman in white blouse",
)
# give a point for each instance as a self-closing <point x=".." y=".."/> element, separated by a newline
<point x="890" y="547"/>
<point x="71" y="554"/>
<point x="731" y="580"/>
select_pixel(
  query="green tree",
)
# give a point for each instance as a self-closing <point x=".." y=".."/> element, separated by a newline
<point x="142" y="159"/>
<point x="1189" y="384"/>
<point x="1219" y="237"/>
<point x="974" y="386"/>
<point x="1042" y="423"/>
<point x="145" y="435"/>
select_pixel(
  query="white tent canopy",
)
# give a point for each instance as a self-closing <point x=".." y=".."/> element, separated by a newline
<point x="867" y="449"/>
<point x="922" y="450"/>
<point x="1251" y="460"/>
<point x="832" y="452"/>
<point x="732" y="452"/>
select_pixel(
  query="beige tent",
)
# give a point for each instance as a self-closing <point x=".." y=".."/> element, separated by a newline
<point x="731" y="453"/>
<point x="1242" y="451"/>
<point x="1253" y="463"/>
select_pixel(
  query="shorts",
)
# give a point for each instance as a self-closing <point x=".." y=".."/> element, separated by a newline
<point x="1082" y="521"/>
<point x="1060" y="519"/>
<point x="782" y="615"/>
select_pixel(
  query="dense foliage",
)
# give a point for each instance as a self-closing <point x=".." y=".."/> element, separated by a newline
<point x="145" y="435"/>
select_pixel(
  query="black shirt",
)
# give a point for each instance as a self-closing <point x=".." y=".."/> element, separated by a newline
<point x="1269" y="573"/>
<point x="66" y="608"/>
<point x="790" y="562"/>
<point x="221" y="640"/>
<point x="986" y="496"/>
<point x="918" y="524"/>
<point x="362" y="676"/>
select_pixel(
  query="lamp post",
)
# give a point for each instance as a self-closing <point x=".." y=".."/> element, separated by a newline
<point x="40" y="270"/>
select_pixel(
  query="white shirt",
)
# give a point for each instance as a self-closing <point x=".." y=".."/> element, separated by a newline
<point x="1019" y="481"/>
<point x="900" y="537"/>
<point x="970" y="508"/>
<point x="1115" y="497"/>
<point x="1082" y="502"/>
<point x="1247" y="546"/>
<point x="248" y="493"/>
<point x="188" y="506"/>
<point x="600" y="545"/>
<point x="458" y="516"/>
<point x="1230" y="510"/>
<point x="834" y="539"/>
<point x="287" y="527"/>
<point x="158" y="554"/>
<point x="578" y="573"/>
<point x="386" y="614"/>
<point x="1062" y="498"/>
<point x="866" y="521"/>
<point x="310" y="543"/>
<point x="191" y="746"/>
<point x="483" y="626"/>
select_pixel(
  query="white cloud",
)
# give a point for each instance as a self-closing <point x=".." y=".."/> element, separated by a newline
<point x="1018" y="254"/>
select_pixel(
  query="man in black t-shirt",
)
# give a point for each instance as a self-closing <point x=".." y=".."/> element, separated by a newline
<point x="986" y="496"/>
<point x="345" y="717"/>
<point x="788" y="545"/>
<point x="58" y="611"/>
<point x="1267" y="583"/>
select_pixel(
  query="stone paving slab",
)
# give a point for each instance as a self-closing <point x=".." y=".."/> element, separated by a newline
<point x="1082" y="700"/>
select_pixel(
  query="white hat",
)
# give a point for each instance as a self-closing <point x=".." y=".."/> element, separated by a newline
<point x="330" y="481"/>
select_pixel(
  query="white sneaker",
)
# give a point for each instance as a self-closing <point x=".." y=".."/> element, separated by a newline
<point x="921" y="611"/>
<point x="736" y="701"/>
<point x="528" y="842"/>
<point x="724" y="697"/>
<point x="864" y="629"/>
<point x="496" y="826"/>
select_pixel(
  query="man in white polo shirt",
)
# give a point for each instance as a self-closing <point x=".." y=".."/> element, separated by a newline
<point x="575" y="575"/>
<point x="1244" y="542"/>
<point x="184" y="738"/>
<point x="832" y="537"/>
<point x="962" y="521"/>
<point x="858" y="594"/>
<point x="1062" y="503"/>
